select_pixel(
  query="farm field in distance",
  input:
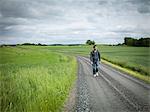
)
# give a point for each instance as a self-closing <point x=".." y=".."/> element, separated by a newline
<point x="34" y="79"/>
<point x="134" y="58"/>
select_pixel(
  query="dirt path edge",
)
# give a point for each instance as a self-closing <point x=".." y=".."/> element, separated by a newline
<point x="70" y="103"/>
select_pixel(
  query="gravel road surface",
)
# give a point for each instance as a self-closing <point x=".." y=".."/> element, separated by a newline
<point x="111" y="91"/>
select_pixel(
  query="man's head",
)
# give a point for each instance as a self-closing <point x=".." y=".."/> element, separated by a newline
<point x="94" y="47"/>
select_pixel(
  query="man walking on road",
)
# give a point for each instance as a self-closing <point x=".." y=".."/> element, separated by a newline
<point x="95" y="58"/>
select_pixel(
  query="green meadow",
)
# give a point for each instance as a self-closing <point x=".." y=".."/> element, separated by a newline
<point x="39" y="78"/>
<point x="34" y="79"/>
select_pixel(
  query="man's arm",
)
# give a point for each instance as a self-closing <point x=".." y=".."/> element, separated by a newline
<point x="99" y="56"/>
<point x="91" y="58"/>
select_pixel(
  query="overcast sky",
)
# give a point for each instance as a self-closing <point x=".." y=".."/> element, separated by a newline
<point x="73" y="21"/>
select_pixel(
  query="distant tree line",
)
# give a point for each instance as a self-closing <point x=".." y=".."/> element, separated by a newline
<point x="142" y="42"/>
<point x="39" y="44"/>
<point x="13" y="45"/>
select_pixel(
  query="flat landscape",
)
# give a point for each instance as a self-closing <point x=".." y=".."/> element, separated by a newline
<point x="39" y="78"/>
<point x="45" y="52"/>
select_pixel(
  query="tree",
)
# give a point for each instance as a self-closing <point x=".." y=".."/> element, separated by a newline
<point x="89" y="42"/>
<point x="143" y="42"/>
<point x="129" y="41"/>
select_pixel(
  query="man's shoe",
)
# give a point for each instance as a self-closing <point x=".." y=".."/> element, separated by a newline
<point x="96" y="73"/>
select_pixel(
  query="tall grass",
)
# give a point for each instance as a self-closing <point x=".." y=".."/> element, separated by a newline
<point x="34" y="79"/>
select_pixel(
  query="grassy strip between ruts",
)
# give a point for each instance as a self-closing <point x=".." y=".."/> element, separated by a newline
<point x="128" y="71"/>
<point x="33" y="79"/>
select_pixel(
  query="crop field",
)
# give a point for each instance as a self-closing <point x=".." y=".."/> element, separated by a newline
<point x="134" y="58"/>
<point x="34" y="79"/>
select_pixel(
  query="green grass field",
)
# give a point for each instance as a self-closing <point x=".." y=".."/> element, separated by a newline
<point x="34" y="79"/>
<point x="38" y="78"/>
<point x="134" y="58"/>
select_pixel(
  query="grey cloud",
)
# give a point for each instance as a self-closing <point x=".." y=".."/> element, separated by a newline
<point x="143" y="6"/>
<point x="13" y="8"/>
<point x="103" y="2"/>
<point x="23" y="12"/>
<point x="123" y="31"/>
<point x="45" y="20"/>
<point x="12" y="21"/>
<point x="146" y="2"/>
<point x="29" y="9"/>
<point x="132" y="31"/>
<point x="144" y="9"/>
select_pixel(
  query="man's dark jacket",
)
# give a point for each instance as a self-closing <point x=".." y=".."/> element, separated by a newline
<point x="95" y="56"/>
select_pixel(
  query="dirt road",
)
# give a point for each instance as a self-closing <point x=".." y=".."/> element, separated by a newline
<point x="111" y="91"/>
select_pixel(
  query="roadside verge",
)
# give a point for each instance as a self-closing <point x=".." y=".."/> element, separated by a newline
<point x="128" y="71"/>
